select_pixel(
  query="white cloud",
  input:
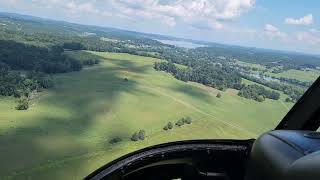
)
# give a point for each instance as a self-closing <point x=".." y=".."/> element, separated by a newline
<point x="234" y="8"/>
<point x="210" y="12"/>
<point x="87" y="7"/>
<point x="312" y="38"/>
<point x="273" y="32"/>
<point x="216" y="25"/>
<point x="169" y="21"/>
<point x="315" y="31"/>
<point x="270" y="28"/>
<point x="306" y="20"/>
<point x="202" y="13"/>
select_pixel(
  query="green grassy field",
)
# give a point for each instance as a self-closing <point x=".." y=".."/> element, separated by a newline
<point x="251" y="65"/>
<point x="65" y="133"/>
<point x="302" y="75"/>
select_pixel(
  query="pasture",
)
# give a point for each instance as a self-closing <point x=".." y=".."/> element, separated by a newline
<point x="66" y="132"/>
<point x="301" y="75"/>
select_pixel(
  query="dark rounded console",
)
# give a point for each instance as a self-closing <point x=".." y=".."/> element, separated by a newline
<point x="285" y="154"/>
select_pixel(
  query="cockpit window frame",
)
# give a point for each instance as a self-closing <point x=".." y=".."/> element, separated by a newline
<point x="305" y="114"/>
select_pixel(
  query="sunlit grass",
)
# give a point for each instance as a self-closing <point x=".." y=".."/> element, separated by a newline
<point x="65" y="133"/>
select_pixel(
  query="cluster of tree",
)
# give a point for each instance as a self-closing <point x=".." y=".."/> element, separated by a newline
<point x="19" y="84"/>
<point x="166" y="66"/>
<point x="115" y="140"/>
<point x="244" y="68"/>
<point x="214" y="75"/>
<point x="24" y="69"/>
<point x="295" y="82"/>
<point x="261" y="56"/>
<point x="20" y="56"/>
<point x="22" y="85"/>
<point x="258" y="93"/>
<point x="168" y="126"/>
<point x="293" y="91"/>
<point x="73" y="46"/>
<point x="180" y="122"/>
<point x="276" y="71"/>
<point x="289" y="86"/>
<point x="224" y="53"/>
<point x="290" y="100"/>
<point x="68" y="38"/>
<point x="23" y="104"/>
<point x="140" y="135"/>
<point x="183" y="121"/>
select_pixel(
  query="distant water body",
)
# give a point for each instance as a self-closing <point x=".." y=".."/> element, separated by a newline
<point x="184" y="44"/>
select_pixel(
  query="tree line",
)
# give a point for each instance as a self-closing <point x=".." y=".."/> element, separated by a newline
<point x="19" y="56"/>
<point x="25" y="69"/>
<point x="22" y="85"/>
<point x="292" y="91"/>
<point x="141" y="134"/>
<point x="217" y="76"/>
<point x="214" y="75"/>
<point x="258" y="93"/>
<point x="294" y="82"/>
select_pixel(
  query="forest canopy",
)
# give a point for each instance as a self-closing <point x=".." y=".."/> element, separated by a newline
<point x="214" y="75"/>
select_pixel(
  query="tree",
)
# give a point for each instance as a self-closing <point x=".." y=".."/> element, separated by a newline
<point x="288" y="99"/>
<point x="56" y="49"/>
<point x="23" y="104"/>
<point x="170" y="125"/>
<point x="45" y="82"/>
<point x="18" y="93"/>
<point x="74" y="65"/>
<point x="135" y="137"/>
<point x="165" y="127"/>
<point x="258" y="93"/>
<point x="115" y="140"/>
<point x="260" y="98"/>
<point x="218" y="95"/>
<point x="96" y="61"/>
<point x="141" y="134"/>
<point x="73" y="46"/>
<point x="180" y="122"/>
<point x="4" y="69"/>
<point x="187" y="120"/>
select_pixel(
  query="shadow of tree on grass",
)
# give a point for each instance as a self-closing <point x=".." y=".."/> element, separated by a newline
<point x="68" y="112"/>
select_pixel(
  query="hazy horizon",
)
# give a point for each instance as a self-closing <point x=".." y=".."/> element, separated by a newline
<point x="167" y="35"/>
<point x="249" y="23"/>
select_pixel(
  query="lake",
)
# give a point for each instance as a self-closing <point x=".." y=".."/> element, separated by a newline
<point x="184" y="44"/>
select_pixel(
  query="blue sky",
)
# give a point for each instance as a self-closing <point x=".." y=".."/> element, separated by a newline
<point x="277" y="24"/>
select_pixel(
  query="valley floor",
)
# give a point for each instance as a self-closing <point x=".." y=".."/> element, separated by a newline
<point x="66" y="132"/>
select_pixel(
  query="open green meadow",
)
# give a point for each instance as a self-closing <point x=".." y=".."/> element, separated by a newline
<point x="301" y="75"/>
<point x="258" y="67"/>
<point x="304" y="75"/>
<point x="65" y="133"/>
